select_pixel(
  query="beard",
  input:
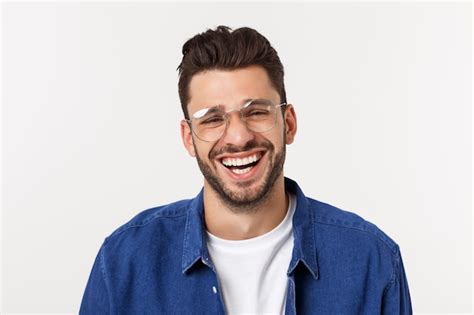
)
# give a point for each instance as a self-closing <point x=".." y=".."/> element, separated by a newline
<point x="245" y="198"/>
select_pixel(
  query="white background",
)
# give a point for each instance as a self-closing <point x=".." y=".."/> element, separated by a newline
<point x="91" y="130"/>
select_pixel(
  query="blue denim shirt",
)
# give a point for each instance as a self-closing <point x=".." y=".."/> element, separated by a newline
<point x="158" y="263"/>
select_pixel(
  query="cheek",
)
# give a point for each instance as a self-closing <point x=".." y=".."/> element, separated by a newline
<point x="202" y="150"/>
<point x="278" y="137"/>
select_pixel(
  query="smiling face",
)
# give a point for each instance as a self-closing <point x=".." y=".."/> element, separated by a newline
<point x="242" y="166"/>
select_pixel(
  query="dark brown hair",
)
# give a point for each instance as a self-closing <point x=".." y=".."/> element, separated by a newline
<point x="225" y="49"/>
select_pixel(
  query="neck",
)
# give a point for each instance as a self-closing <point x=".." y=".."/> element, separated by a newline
<point x="225" y="222"/>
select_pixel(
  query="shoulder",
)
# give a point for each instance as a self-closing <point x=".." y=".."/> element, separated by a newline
<point x="335" y="221"/>
<point x="149" y="221"/>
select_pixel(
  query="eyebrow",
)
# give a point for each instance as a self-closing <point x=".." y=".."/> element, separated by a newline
<point x="258" y="100"/>
<point x="214" y="109"/>
<point x="218" y="107"/>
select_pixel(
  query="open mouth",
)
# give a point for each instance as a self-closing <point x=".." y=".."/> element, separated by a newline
<point x="241" y="165"/>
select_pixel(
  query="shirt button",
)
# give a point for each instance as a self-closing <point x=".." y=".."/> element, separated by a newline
<point x="214" y="289"/>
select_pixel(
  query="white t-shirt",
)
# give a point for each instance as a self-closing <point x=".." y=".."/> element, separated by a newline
<point x="252" y="272"/>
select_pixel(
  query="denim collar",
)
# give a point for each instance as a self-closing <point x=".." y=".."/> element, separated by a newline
<point x="304" y="249"/>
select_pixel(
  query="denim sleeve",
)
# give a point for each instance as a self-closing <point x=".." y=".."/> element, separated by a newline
<point x="396" y="299"/>
<point x="96" y="296"/>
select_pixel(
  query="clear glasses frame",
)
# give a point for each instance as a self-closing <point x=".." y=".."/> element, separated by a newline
<point x="199" y="114"/>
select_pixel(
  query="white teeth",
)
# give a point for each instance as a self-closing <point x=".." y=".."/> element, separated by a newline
<point x="239" y="162"/>
<point x="239" y="171"/>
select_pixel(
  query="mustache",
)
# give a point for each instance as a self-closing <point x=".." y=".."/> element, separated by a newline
<point x="230" y="148"/>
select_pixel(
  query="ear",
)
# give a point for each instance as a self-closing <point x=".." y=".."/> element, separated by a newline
<point x="187" y="137"/>
<point x="290" y="123"/>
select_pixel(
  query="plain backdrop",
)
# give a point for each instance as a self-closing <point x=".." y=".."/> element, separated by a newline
<point x="91" y="130"/>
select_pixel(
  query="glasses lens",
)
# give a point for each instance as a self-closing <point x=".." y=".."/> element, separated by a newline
<point x="259" y="117"/>
<point x="209" y="125"/>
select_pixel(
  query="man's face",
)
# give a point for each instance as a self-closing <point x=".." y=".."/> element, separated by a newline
<point x="244" y="186"/>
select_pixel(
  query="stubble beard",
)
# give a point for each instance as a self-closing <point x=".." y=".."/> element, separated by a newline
<point x="247" y="198"/>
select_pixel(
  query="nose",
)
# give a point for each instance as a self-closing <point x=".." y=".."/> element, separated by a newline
<point x="237" y="132"/>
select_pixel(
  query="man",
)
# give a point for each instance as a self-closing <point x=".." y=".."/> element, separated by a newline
<point x="250" y="242"/>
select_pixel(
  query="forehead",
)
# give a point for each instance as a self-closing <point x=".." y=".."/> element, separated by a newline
<point x="229" y="87"/>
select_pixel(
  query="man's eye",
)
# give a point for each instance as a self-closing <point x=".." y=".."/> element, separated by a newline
<point x="212" y="120"/>
<point x="256" y="113"/>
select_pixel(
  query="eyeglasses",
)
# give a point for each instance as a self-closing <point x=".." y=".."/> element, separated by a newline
<point x="209" y="124"/>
